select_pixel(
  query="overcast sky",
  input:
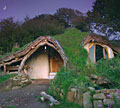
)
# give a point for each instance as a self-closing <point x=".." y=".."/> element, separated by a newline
<point x="21" y="8"/>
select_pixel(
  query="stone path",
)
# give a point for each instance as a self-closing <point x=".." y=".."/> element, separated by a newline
<point x="24" y="98"/>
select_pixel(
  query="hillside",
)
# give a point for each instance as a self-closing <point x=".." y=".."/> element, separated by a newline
<point x="71" y="41"/>
<point x="78" y="70"/>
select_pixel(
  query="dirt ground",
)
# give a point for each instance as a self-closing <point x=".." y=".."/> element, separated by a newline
<point x="24" y="98"/>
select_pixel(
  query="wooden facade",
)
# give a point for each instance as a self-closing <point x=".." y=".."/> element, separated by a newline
<point x="44" y="50"/>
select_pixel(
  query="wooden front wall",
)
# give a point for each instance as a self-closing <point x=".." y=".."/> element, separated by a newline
<point x="56" y="61"/>
<point x="36" y="62"/>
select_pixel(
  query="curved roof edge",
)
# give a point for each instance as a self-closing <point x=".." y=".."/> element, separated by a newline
<point x="42" y="40"/>
<point x="100" y="39"/>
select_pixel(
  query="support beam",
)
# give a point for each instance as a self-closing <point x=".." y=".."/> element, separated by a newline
<point x="5" y="68"/>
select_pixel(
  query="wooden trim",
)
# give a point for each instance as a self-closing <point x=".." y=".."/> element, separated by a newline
<point x="104" y="53"/>
<point x="31" y="52"/>
<point x="5" y="69"/>
<point x="42" y="39"/>
<point x="95" y="53"/>
<point x="104" y="48"/>
<point x="108" y="52"/>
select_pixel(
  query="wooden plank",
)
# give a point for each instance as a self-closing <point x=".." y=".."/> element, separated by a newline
<point x="56" y="64"/>
<point x="12" y="68"/>
<point x="4" y="68"/>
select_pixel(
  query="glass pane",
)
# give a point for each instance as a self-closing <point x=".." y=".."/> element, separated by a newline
<point x="91" y="53"/>
<point x="106" y="54"/>
<point x="99" y="52"/>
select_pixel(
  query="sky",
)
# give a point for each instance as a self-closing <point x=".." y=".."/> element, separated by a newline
<point x="19" y="9"/>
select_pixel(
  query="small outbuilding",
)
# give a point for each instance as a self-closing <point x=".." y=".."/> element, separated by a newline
<point x="99" y="47"/>
<point x="41" y="59"/>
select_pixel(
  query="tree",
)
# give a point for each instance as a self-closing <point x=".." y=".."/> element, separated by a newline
<point x="7" y="30"/>
<point x="105" y="16"/>
<point x="43" y="25"/>
<point x="67" y="15"/>
<point x="81" y="23"/>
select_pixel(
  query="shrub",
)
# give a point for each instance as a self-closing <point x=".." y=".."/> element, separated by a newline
<point x="110" y="69"/>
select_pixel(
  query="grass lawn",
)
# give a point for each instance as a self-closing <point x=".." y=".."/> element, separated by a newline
<point x="6" y="77"/>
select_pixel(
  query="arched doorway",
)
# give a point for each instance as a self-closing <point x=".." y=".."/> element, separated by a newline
<point x="44" y="62"/>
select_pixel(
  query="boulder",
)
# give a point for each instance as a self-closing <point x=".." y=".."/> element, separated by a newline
<point x="87" y="100"/>
<point x="99" y="96"/>
<point x="108" y="102"/>
<point x="70" y="96"/>
<point x="75" y="96"/>
<point x="98" y="104"/>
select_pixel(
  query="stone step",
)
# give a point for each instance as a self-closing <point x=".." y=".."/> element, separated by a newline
<point x="53" y="73"/>
<point x="41" y="81"/>
<point x="51" y="77"/>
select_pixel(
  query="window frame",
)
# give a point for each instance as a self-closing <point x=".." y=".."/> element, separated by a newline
<point x="104" y="48"/>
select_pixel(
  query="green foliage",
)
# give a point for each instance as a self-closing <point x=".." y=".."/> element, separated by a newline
<point x="71" y="41"/>
<point x="75" y="73"/>
<point x="18" y="49"/>
<point x="12" y="32"/>
<point x="6" y="77"/>
<point x="38" y="99"/>
<point x="109" y="69"/>
<point x="117" y="102"/>
<point x="66" y="79"/>
<point x="11" y="107"/>
<point x="67" y="105"/>
<point x="15" y="49"/>
<point x="9" y="99"/>
<point x="105" y="15"/>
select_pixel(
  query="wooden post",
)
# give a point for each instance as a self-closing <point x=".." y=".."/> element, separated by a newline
<point x="5" y="68"/>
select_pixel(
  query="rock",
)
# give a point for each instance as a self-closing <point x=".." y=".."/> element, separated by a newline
<point x="76" y="97"/>
<point x="115" y="95"/>
<point x="61" y="95"/>
<point x="70" y="96"/>
<point x="112" y="90"/>
<point x="98" y="91"/>
<point x="98" y="104"/>
<point x="99" y="96"/>
<point x="23" y="81"/>
<point x="91" y="88"/>
<point x="62" y="91"/>
<point x="108" y="91"/>
<point x="102" y="81"/>
<point x="73" y="89"/>
<point x="87" y="100"/>
<point x="79" y="98"/>
<point x="16" y="87"/>
<point x="108" y="102"/>
<point x="23" y="78"/>
<point x="92" y="76"/>
<point x="15" y="82"/>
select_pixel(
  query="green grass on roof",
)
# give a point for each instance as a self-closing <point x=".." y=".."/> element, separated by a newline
<point x="71" y="41"/>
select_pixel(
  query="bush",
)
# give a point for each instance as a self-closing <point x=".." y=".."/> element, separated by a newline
<point x="110" y="69"/>
<point x="66" y="79"/>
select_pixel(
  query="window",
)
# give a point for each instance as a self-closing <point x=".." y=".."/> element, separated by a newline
<point x="97" y="52"/>
<point x="92" y="54"/>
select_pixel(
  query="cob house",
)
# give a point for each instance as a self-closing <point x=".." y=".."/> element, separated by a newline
<point x="41" y="59"/>
<point x="99" y="47"/>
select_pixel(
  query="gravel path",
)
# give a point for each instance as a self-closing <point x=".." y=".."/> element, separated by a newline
<point x="24" y="98"/>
